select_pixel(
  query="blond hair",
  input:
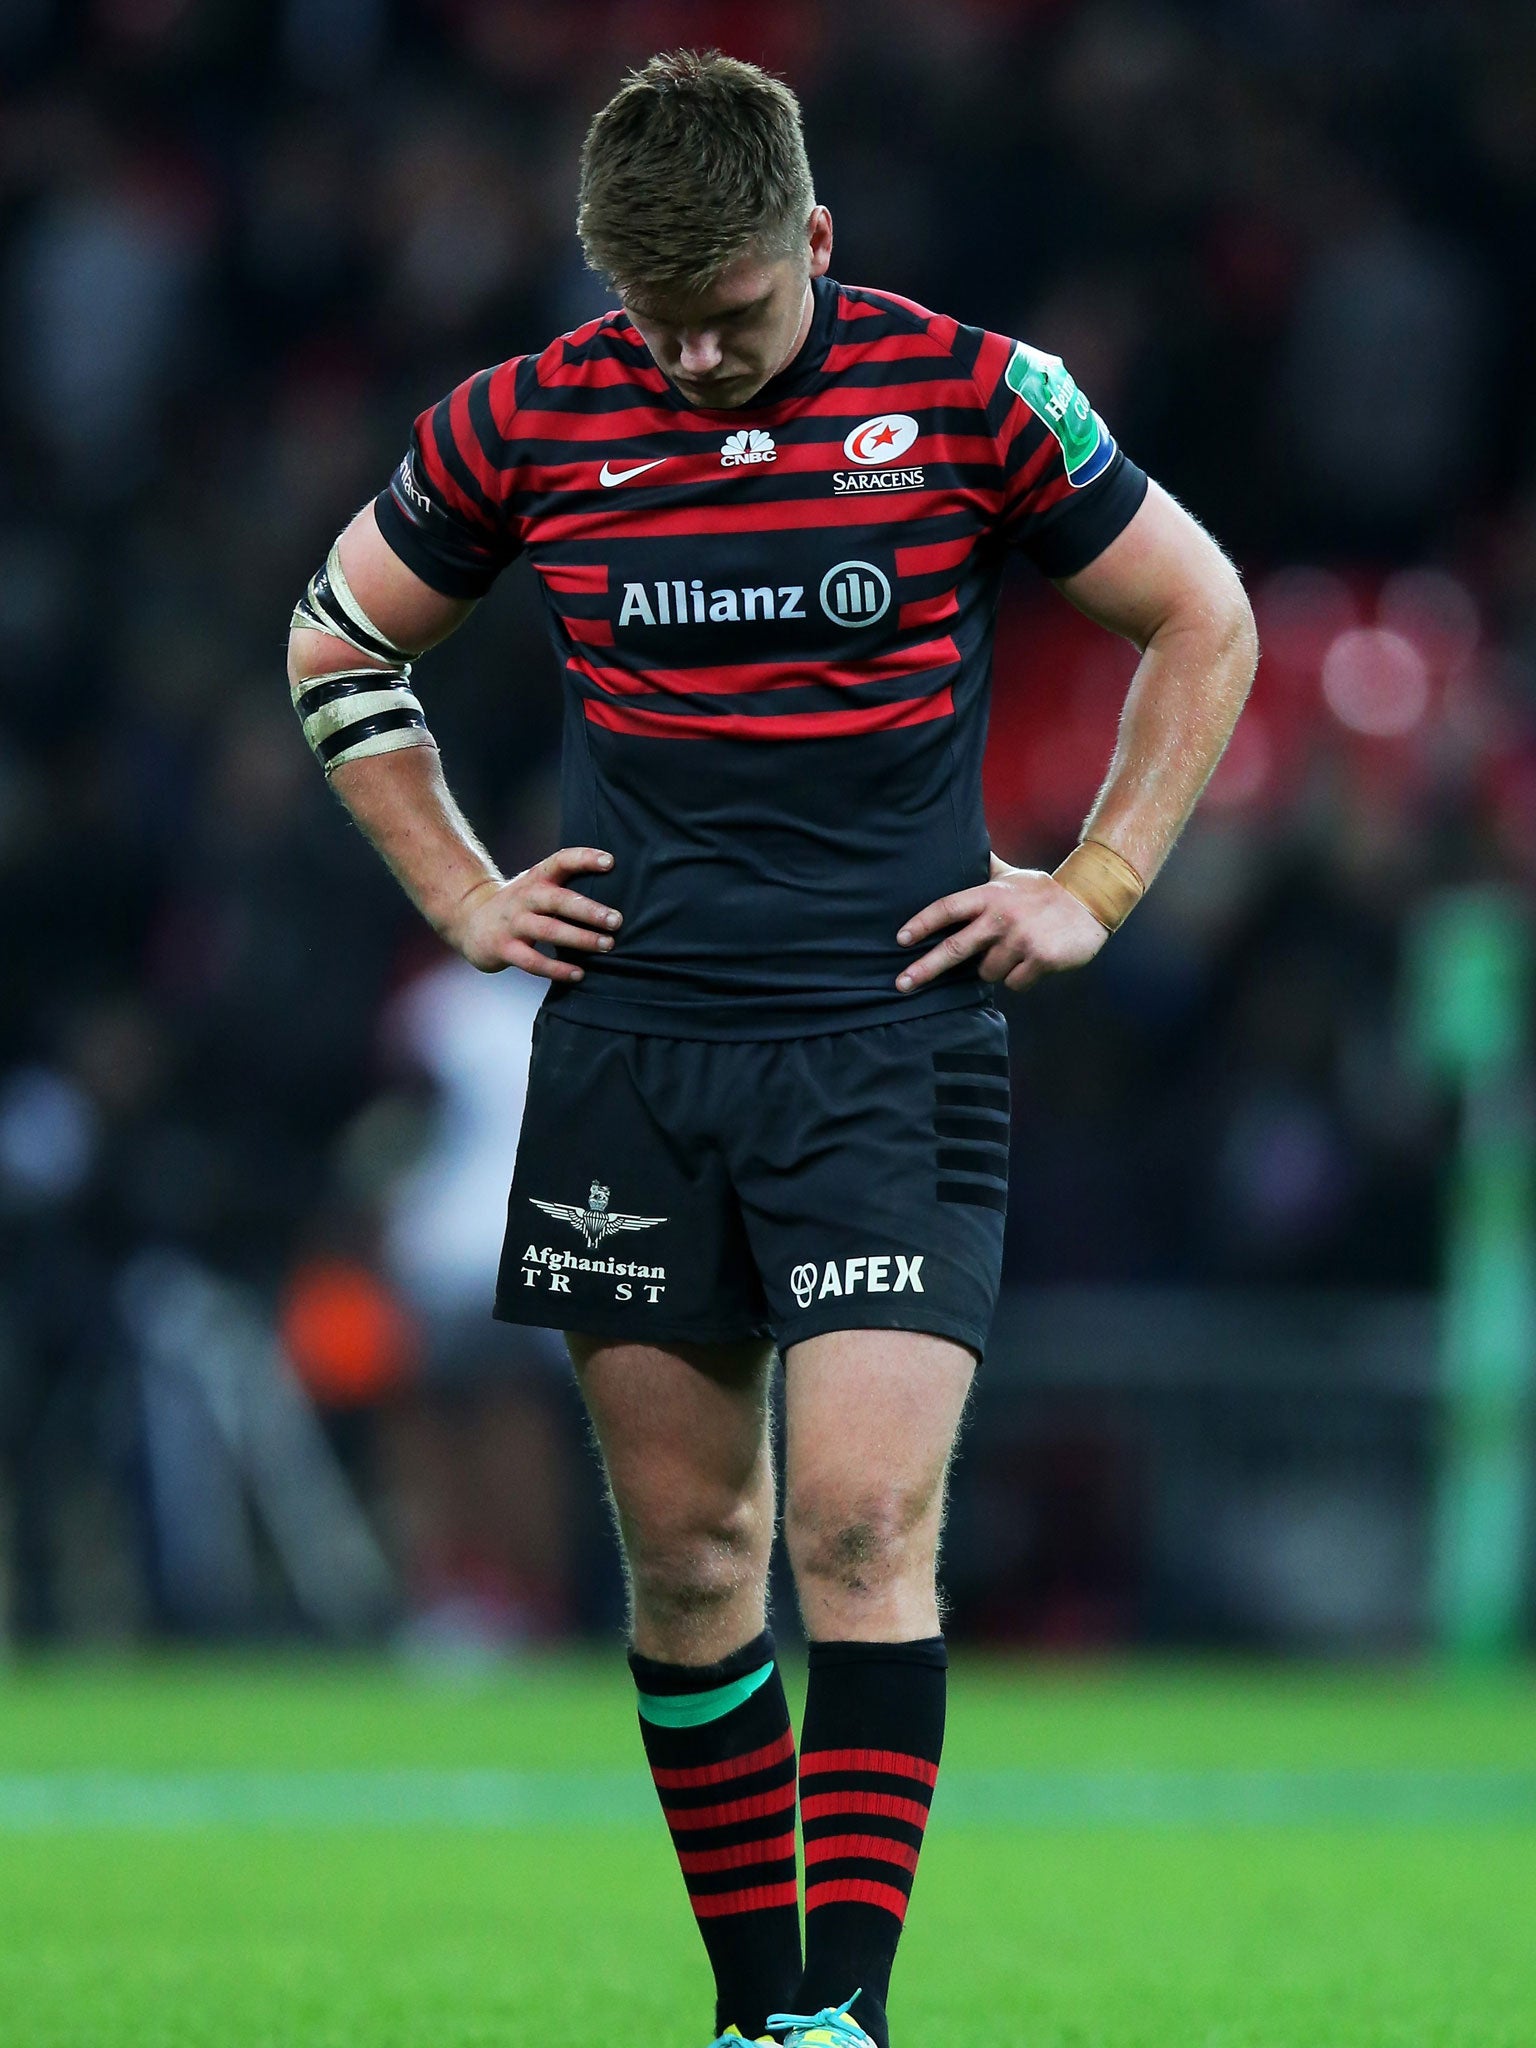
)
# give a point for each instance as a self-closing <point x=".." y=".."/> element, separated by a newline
<point x="695" y="161"/>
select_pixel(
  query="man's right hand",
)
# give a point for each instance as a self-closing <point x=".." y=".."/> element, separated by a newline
<point x="499" y="924"/>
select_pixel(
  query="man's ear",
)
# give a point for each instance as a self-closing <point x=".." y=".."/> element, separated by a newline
<point x="820" y="232"/>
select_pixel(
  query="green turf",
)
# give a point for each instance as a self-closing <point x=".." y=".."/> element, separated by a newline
<point x="1091" y="1933"/>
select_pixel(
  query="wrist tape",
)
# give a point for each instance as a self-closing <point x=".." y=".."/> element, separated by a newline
<point x="1103" y="881"/>
<point x="355" y="711"/>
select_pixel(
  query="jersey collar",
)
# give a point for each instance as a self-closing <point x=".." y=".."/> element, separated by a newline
<point x="798" y="374"/>
<point x="803" y="368"/>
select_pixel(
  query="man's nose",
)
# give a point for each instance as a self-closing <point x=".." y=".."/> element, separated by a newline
<point x="700" y="352"/>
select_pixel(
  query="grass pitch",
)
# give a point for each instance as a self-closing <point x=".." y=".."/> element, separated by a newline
<point x="204" y="1855"/>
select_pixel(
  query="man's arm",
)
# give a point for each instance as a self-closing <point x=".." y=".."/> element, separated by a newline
<point x="402" y="804"/>
<point x="1165" y="585"/>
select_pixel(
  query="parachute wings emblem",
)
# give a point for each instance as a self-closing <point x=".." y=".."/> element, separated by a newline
<point x="597" y="1220"/>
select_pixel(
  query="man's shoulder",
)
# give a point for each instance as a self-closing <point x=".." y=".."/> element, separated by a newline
<point x="871" y="317"/>
<point x="602" y="354"/>
<point x="903" y="314"/>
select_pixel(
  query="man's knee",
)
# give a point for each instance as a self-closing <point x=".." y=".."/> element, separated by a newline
<point x="859" y="1543"/>
<point x="684" y="1569"/>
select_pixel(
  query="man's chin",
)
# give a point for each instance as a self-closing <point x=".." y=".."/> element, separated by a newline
<point x="723" y="397"/>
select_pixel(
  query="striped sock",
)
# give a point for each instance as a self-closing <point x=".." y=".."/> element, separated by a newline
<point x="874" y="1730"/>
<point x="722" y="1753"/>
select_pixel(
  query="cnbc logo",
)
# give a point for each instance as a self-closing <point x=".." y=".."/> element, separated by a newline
<point x="855" y="594"/>
<point x="749" y="445"/>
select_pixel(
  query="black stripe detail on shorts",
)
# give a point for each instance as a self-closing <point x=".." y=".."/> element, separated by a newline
<point x="983" y="1130"/>
<point x="971" y="1063"/>
<point x="979" y="1194"/>
<point x="959" y="1095"/>
<point x="991" y="1159"/>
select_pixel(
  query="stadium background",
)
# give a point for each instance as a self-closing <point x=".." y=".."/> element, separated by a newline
<point x="1282" y="249"/>
<point x="1271" y="1153"/>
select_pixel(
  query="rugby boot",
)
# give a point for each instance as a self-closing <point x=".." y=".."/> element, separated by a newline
<point x="829" y="2028"/>
<point x="733" y="2035"/>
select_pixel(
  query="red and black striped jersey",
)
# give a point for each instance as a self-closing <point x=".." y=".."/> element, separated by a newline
<point x="775" y="629"/>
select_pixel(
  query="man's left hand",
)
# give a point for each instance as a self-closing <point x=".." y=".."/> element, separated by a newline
<point x="1021" y="921"/>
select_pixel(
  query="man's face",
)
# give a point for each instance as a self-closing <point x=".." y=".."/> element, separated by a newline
<point x="721" y="347"/>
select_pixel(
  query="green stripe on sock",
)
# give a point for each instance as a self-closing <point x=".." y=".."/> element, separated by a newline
<point x="694" y="1709"/>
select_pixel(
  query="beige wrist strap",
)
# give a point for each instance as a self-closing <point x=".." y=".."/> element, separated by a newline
<point x="1103" y="881"/>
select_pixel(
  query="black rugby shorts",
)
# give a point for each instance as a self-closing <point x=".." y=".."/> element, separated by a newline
<point x="709" y="1192"/>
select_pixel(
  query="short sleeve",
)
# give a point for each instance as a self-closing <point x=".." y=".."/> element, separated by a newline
<point x="446" y="511"/>
<point x="1068" y="489"/>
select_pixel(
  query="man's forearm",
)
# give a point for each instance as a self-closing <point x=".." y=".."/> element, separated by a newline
<point x="403" y="806"/>
<point x="1184" y="700"/>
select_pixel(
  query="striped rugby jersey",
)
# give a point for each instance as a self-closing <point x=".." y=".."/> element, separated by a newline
<point x="775" y="627"/>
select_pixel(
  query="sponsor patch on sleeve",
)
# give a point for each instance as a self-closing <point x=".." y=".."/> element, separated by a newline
<point x="1046" y="386"/>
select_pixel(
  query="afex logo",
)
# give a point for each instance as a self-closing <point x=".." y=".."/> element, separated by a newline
<point x="869" y="1274"/>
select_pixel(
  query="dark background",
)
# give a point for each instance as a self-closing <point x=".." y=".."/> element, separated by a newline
<point x="1285" y="246"/>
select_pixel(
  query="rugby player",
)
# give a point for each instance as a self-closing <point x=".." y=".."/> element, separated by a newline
<point x="768" y="1102"/>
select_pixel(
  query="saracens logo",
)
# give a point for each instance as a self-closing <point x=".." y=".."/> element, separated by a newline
<point x="749" y="444"/>
<point x="885" y="438"/>
<point x="875" y="445"/>
<point x="597" y="1220"/>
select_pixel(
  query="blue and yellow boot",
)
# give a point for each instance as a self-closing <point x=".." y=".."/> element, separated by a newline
<point x="829" y="2028"/>
<point x="733" y="2035"/>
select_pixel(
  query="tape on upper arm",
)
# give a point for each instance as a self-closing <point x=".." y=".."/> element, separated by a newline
<point x="330" y="605"/>
<point x="354" y="712"/>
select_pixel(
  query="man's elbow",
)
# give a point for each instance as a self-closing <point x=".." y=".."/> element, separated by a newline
<point x="1240" y="631"/>
<point x="312" y="654"/>
<point x="299" y="671"/>
<point x="1220" y="614"/>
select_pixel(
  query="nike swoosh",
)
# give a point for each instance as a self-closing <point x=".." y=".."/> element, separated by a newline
<point x="610" y="477"/>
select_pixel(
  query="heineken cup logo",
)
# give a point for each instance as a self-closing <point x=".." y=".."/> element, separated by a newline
<point x="1046" y="386"/>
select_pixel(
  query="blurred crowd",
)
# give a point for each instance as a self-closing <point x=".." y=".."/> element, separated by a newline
<point x="1284" y="246"/>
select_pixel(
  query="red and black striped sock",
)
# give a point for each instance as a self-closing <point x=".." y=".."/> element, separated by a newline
<point x="722" y="1753"/>
<point x="869" y="1760"/>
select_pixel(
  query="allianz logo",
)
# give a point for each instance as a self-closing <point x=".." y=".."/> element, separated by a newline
<point x="850" y="594"/>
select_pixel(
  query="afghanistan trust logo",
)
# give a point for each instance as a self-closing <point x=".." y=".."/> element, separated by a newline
<point x="597" y="1220"/>
<point x="749" y="444"/>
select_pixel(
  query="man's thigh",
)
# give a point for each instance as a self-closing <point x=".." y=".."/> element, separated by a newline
<point x="871" y="1419"/>
<point x="683" y="1428"/>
